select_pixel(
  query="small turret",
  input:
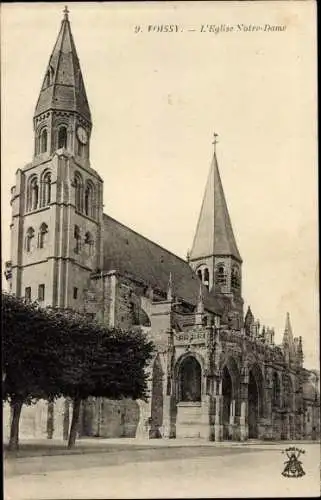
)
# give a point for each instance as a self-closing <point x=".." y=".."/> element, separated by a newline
<point x="170" y="288"/>
<point x="199" y="308"/>
<point x="248" y="321"/>
<point x="288" y="341"/>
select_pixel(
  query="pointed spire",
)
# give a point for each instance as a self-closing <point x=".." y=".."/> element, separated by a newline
<point x="248" y="321"/>
<point x="288" y="335"/>
<point x="214" y="234"/>
<point x="170" y="288"/>
<point x="200" y="302"/>
<point x="63" y="86"/>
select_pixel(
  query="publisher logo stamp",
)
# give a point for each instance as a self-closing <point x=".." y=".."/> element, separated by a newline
<point x="293" y="466"/>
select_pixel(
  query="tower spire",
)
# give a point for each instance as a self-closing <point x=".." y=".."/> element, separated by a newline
<point x="214" y="234"/>
<point x="63" y="87"/>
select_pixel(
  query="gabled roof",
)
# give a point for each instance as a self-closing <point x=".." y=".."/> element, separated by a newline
<point x="129" y="252"/>
<point x="214" y="234"/>
<point x="63" y="86"/>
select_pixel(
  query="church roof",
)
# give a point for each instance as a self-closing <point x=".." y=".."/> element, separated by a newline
<point x="214" y="234"/>
<point x="129" y="252"/>
<point x="63" y="86"/>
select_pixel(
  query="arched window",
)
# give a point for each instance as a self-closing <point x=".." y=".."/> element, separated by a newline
<point x="89" y="199"/>
<point x="29" y="236"/>
<point x="206" y="280"/>
<point x="190" y="380"/>
<point x="204" y="275"/>
<point x="78" y="192"/>
<point x="42" y="235"/>
<point x="235" y="278"/>
<point x="43" y="140"/>
<point x="46" y="189"/>
<point x="32" y="194"/>
<point x="62" y="137"/>
<point x="89" y="242"/>
<point x="220" y="277"/>
<point x="77" y="239"/>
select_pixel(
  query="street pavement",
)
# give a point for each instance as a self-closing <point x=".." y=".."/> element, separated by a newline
<point x="159" y="469"/>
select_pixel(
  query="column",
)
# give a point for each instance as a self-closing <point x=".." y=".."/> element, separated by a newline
<point x="206" y="430"/>
<point x="218" y="427"/>
<point x="268" y="413"/>
<point x="169" y="416"/>
<point x="244" y="428"/>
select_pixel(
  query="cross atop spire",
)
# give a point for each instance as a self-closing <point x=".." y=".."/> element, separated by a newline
<point x="215" y="141"/>
<point x="66" y="12"/>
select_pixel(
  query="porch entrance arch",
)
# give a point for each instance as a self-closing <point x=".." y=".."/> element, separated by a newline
<point x="190" y="380"/>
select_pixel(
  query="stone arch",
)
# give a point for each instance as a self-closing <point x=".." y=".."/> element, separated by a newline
<point x="45" y="183"/>
<point x="32" y="193"/>
<point x="255" y="399"/>
<point x="231" y="394"/>
<point x="157" y="397"/>
<point x="189" y="369"/>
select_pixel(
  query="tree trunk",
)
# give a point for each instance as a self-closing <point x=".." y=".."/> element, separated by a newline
<point x="74" y="422"/>
<point x="16" y="407"/>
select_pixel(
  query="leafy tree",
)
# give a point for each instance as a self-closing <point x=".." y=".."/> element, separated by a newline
<point x="50" y="353"/>
<point x="102" y="362"/>
<point x="29" y="370"/>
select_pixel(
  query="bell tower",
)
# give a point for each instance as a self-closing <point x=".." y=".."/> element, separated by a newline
<point x="57" y="201"/>
<point x="214" y="255"/>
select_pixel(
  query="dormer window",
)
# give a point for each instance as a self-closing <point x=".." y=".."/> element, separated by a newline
<point x="49" y="77"/>
<point x="62" y="137"/>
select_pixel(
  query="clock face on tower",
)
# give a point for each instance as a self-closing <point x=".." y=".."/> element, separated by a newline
<point x="82" y="135"/>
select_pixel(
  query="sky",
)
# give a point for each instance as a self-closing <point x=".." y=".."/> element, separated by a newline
<point x="156" y="98"/>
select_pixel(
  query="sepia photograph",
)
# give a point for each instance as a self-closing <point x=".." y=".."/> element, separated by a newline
<point x="160" y="261"/>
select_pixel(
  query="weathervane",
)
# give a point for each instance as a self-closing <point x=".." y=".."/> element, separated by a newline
<point x="215" y="141"/>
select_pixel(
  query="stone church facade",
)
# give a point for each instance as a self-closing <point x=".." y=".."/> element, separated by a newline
<point x="218" y="373"/>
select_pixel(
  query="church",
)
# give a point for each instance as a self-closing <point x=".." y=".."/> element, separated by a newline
<point x="218" y="373"/>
